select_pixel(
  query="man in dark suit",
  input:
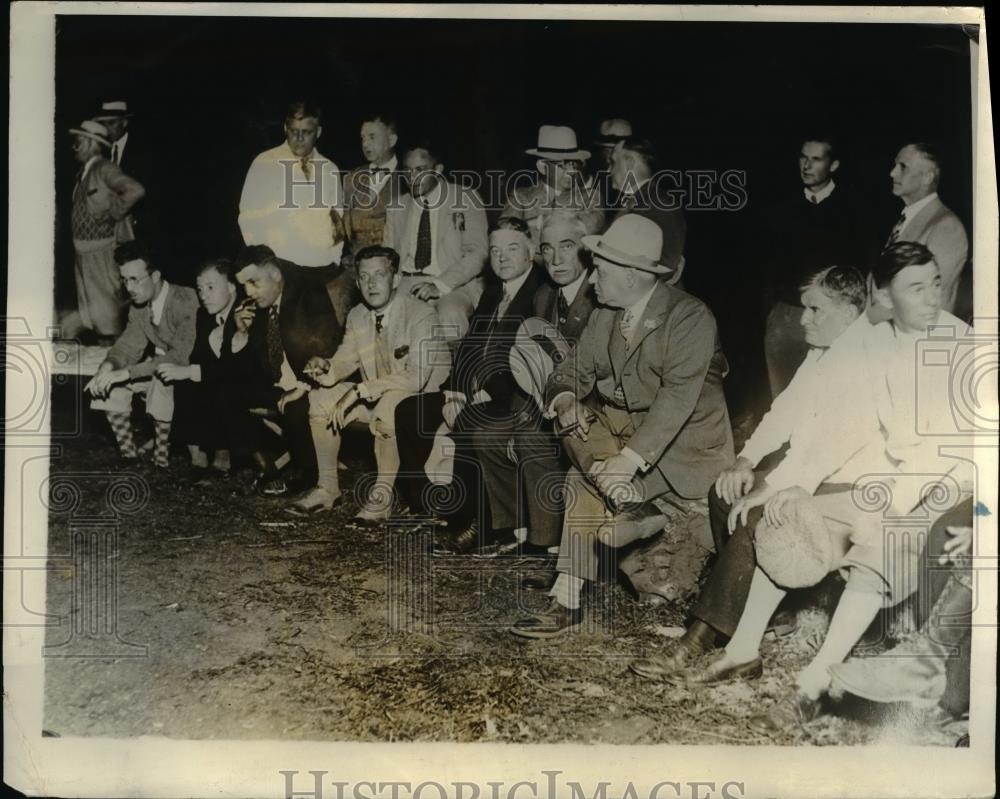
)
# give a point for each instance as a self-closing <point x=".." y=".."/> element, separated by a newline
<point x="475" y="403"/>
<point x="642" y="404"/>
<point x="519" y="490"/>
<point x="297" y="312"/>
<point x="649" y="193"/>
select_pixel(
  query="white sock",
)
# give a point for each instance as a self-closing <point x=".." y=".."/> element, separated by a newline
<point x="521" y="534"/>
<point x="566" y="590"/>
<point x="762" y="601"/>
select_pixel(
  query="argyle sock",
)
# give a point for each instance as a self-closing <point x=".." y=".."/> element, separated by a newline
<point x="762" y="601"/>
<point x="161" y="449"/>
<point x="121" y="426"/>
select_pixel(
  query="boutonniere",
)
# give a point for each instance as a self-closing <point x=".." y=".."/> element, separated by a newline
<point x="401" y="352"/>
<point x="458" y="220"/>
<point x="649" y="324"/>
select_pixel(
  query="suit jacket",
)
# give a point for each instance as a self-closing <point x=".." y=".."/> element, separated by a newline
<point x="240" y="368"/>
<point x="174" y="335"/>
<point x="108" y="190"/>
<point x="419" y="361"/>
<point x="365" y="213"/>
<point x="941" y="231"/>
<point x="649" y="201"/>
<point x="482" y="361"/>
<point x="672" y="382"/>
<point x="460" y="234"/>
<point x="546" y="304"/>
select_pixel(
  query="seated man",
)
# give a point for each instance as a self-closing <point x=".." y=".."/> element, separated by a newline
<point x="643" y="403"/>
<point x="477" y="399"/>
<point x="390" y="339"/>
<point x="440" y="234"/>
<point x="162" y="316"/>
<point x="886" y="442"/>
<point x="296" y="313"/>
<point x="832" y="300"/>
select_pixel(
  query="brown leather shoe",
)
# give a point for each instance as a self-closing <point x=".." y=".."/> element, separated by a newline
<point x="721" y="670"/>
<point x="554" y="620"/>
<point x="678" y="655"/>
<point x="464" y="543"/>
<point x="788" y="714"/>
<point x="538" y="581"/>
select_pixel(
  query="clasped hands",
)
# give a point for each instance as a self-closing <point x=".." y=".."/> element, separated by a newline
<point x="107" y="378"/>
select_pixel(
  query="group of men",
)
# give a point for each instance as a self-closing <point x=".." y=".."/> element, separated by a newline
<point x="542" y="386"/>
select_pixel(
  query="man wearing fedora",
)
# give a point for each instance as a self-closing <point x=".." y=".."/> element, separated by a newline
<point x="641" y="403"/>
<point x="115" y="116"/>
<point x="103" y="197"/>
<point x="609" y="133"/>
<point x="562" y="185"/>
<point x="292" y="200"/>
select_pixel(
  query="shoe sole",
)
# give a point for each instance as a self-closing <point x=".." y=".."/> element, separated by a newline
<point x="751" y="674"/>
<point x="540" y="635"/>
<point x="861" y="692"/>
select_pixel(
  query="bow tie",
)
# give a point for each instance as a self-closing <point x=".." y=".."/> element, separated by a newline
<point x="379" y="170"/>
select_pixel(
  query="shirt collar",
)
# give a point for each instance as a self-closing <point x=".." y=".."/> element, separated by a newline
<point x="156" y="306"/>
<point x="639" y="307"/>
<point x="910" y="211"/>
<point x="511" y="287"/>
<point x="389" y="166"/>
<point x="384" y="311"/>
<point x="432" y="198"/>
<point x="820" y="195"/>
<point x="121" y="140"/>
<point x="223" y="315"/>
<point x="571" y="291"/>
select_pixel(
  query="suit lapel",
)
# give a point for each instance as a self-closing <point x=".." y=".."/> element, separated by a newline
<point x="579" y="311"/>
<point x="366" y="343"/>
<point x="616" y="345"/>
<point x="916" y="226"/>
<point x="652" y="318"/>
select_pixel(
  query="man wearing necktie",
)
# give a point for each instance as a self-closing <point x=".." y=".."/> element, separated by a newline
<point x="641" y="404"/>
<point x="439" y="231"/>
<point x="390" y="344"/>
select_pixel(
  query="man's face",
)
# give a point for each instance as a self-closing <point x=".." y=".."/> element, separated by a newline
<point x="912" y="175"/>
<point x="619" y="167"/>
<point x="561" y="250"/>
<point x="914" y="296"/>
<point x="83" y="148"/>
<point x="215" y="292"/>
<point x="301" y="135"/>
<point x="606" y="151"/>
<point x="421" y="169"/>
<point x="816" y="167"/>
<point x="140" y="285"/>
<point x="377" y="282"/>
<point x="510" y="254"/>
<point x="377" y="142"/>
<point x="824" y="318"/>
<point x="262" y="285"/>
<point x="611" y="283"/>
<point x="116" y="127"/>
<point x="561" y="175"/>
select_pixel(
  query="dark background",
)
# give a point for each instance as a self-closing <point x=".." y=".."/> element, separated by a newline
<point x="210" y="93"/>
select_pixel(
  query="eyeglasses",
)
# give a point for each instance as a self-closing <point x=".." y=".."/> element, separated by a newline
<point x="571" y="164"/>
<point x="134" y="281"/>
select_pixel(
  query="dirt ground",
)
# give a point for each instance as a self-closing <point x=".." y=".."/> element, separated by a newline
<point x="230" y="619"/>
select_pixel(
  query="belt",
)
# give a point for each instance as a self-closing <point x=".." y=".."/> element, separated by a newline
<point x="417" y="272"/>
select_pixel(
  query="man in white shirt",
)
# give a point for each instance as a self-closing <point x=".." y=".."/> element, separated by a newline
<point x="439" y="231"/>
<point x="292" y="199"/>
<point x="114" y="115"/>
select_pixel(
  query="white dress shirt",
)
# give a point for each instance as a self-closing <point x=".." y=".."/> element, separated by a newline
<point x="910" y="211"/>
<point x="385" y="172"/>
<point x="432" y="201"/>
<point x="118" y="149"/>
<point x="570" y="291"/>
<point x="816" y="197"/>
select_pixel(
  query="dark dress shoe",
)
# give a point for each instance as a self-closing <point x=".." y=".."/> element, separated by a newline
<point x="783" y="623"/>
<point x="722" y="670"/>
<point x="553" y="621"/>
<point x="789" y="713"/>
<point x="539" y="581"/>
<point x="677" y="656"/>
<point x="464" y="543"/>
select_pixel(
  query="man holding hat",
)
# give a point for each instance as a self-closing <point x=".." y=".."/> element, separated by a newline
<point x="641" y="402"/>
<point x="563" y="185"/>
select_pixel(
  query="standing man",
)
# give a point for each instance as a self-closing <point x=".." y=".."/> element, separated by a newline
<point x="926" y="220"/>
<point x="817" y="228"/>
<point x="372" y="189"/>
<point x="292" y="200"/>
<point x="643" y="406"/>
<point x="439" y="231"/>
<point x="610" y="132"/>
<point x="634" y="165"/>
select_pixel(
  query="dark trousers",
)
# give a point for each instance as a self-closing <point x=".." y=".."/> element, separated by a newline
<point x="785" y="346"/>
<point x="528" y="492"/>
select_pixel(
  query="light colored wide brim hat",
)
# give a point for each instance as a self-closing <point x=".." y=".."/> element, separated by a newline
<point x="798" y="553"/>
<point x="92" y="130"/>
<point x="537" y="349"/>
<point x="633" y="241"/>
<point x="558" y="143"/>
<point x="114" y="109"/>
<point x="613" y="131"/>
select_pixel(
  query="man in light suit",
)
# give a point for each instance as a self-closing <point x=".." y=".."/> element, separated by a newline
<point x="642" y="402"/>
<point x="926" y="220"/>
<point x="390" y="340"/>
<point x="439" y="231"/>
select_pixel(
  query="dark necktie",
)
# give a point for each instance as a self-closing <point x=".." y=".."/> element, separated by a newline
<point x="422" y="257"/>
<point x="306" y="168"/>
<point x="562" y="309"/>
<point x="275" y="352"/>
<point x="896" y="230"/>
<point x="378" y="323"/>
<point x="114" y="154"/>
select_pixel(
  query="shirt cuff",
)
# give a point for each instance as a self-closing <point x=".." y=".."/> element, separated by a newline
<point x="637" y="459"/>
<point x="443" y="287"/>
<point x="363" y="392"/>
<point x="454" y="396"/>
<point x="550" y="412"/>
<point x="195" y="373"/>
<point x="480" y="397"/>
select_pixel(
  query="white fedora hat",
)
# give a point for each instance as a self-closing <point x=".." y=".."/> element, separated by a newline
<point x="113" y="109"/>
<point x="558" y="143"/>
<point x="92" y="130"/>
<point x="632" y="241"/>
<point x="613" y="131"/>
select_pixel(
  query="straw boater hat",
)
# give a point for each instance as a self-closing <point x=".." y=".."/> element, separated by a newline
<point x="557" y="143"/>
<point x="537" y="349"/>
<point x="92" y="130"/>
<point x="632" y="241"/>
<point x="798" y="553"/>
<point x="115" y="109"/>
<point x="613" y="131"/>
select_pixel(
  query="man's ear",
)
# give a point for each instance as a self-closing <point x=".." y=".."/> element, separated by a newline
<point x="393" y="138"/>
<point x="834" y="166"/>
<point x="319" y="131"/>
<point x="439" y="168"/>
<point x="542" y="167"/>
<point x="883" y="298"/>
<point x="396" y="278"/>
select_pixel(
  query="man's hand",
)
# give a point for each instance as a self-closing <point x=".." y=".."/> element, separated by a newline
<point x="243" y="315"/>
<point x="171" y="372"/>
<point x="613" y="475"/>
<point x="107" y="377"/>
<point x="776" y="508"/>
<point x="742" y="507"/>
<point x="735" y="481"/>
<point x="316" y="368"/>
<point x="452" y="408"/>
<point x="343" y="408"/>
<point x="292" y="395"/>
<point x="573" y="417"/>
<point x="426" y="291"/>
<point x="958" y="546"/>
